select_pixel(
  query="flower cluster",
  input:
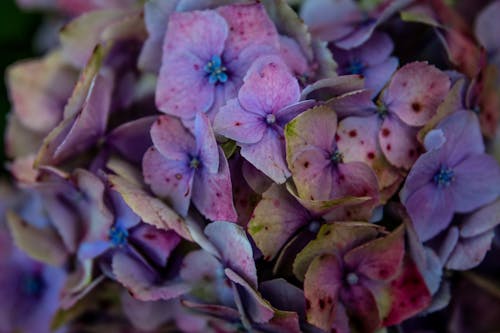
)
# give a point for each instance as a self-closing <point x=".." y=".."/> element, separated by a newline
<point x="260" y="166"/>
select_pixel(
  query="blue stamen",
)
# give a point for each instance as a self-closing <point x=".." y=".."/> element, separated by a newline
<point x="32" y="284"/>
<point x="336" y="157"/>
<point x="270" y="119"/>
<point x="443" y="177"/>
<point x="216" y="71"/>
<point x="355" y="67"/>
<point x="118" y="236"/>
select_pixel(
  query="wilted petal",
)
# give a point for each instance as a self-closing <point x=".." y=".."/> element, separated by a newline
<point x="275" y="220"/>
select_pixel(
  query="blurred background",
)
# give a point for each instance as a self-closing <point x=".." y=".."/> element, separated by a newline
<point x="17" y="29"/>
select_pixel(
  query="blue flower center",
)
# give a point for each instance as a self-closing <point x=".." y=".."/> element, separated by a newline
<point x="118" y="236"/>
<point x="355" y="67"/>
<point x="443" y="177"/>
<point x="476" y="109"/>
<point x="32" y="284"/>
<point x="336" y="157"/>
<point x="270" y="119"/>
<point x="216" y="71"/>
<point x="194" y="163"/>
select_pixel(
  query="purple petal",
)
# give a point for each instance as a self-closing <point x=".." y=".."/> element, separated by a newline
<point x="172" y="139"/>
<point x="236" y="123"/>
<point x="377" y="76"/>
<point x="321" y="288"/>
<point x="234" y="248"/>
<point x="200" y="264"/>
<point x="399" y="142"/>
<point x="212" y="192"/>
<point x="170" y="180"/>
<point x="448" y="244"/>
<point x="292" y="55"/>
<point x="268" y="86"/>
<point x="156" y="243"/>
<point x="268" y="155"/>
<point x="431" y="210"/>
<point x="284" y="296"/>
<point x="206" y="144"/>
<point x="415" y="92"/>
<point x="361" y="307"/>
<point x="485" y="26"/>
<point x="275" y="220"/>
<point x="249" y="25"/>
<point x="130" y="140"/>
<point x="174" y="92"/>
<point x="257" y="181"/>
<point x="141" y="280"/>
<point x="476" y="182"/>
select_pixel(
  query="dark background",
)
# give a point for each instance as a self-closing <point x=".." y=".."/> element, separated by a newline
<point x="17" y="29"/>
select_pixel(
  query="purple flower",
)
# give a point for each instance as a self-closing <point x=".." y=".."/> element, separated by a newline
<point x="267" y="100"/>
<point x="207" y="53"/>
<point x="454" y="176"/>
<point x="180" y="167"/>
<point x="371" y="60"/>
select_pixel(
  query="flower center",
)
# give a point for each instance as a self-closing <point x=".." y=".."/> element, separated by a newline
<point x="352" y="278"/>
<point x="118" y="236"/>
<point x="382" y="110"/>
<point x="32" y="284"/>
<point x="355" y="67"/>
<point x="194" y="163"/>
<point x="270" y="119"/>
<point x="336" y="157"/>
<point x="215" y="70"/>
<point x="443" y="177"/>
<point x="314" y="226"/>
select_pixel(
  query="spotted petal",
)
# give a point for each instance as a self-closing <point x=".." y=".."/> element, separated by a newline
<point x="399" y="142"/>
<point x="415" y="92"/>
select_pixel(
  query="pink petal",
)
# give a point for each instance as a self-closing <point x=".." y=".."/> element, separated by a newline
<point x="409" y="295"/>
<point x="268" y="155"/>
<point x="275" y="220"/>
<point x="321" y="288"/>
<point x="293" y="56"/>
<point x="236" y="123"/>
<point x="415" y="92"/>
<point x="157" y="243"/>
<point x="379" y="259"/>
<point x="248" y="25"/>
<point x="212" y="192"/>
<point x="399" y="142"/>
<point x="268" y="86"/>
<point x="171" y="139"/>
<point x="470" y="252"/>
<point x="170" y="180"/>
<point x="485" y="27"/>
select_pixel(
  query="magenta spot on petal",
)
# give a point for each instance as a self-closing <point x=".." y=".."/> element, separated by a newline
<point x="416" y="107"/>
<point x="388" y="147"/>
<point x="386" y="132"/>
<point x="353" y="133"/>
<point x="371" y="155"/>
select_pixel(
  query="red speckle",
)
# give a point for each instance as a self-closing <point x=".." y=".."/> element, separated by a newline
<point x="337" y="137"/>
<point x="327" y="232"/>
<point x="237" y="123"/>
<point x="276" y="203"/>
<point x="404" y="84"/>
<point x="388" y="147"/>
<point x="306" y="164"/>
<point x="353" y="133"/>
<point x="411" y="153"/>
<point x="196" y="67"/>
<point x="150" y="236"/>
<point x="308" y="304"/>
<point x="416" y="107"/>
<point x="321" y="304"/>
<point x="341" y="177"/>
<point x="371" y="155"/>
<point x="167" y="180"/>
<point x="386" y="132"/>
<point x="218" y="195"/>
